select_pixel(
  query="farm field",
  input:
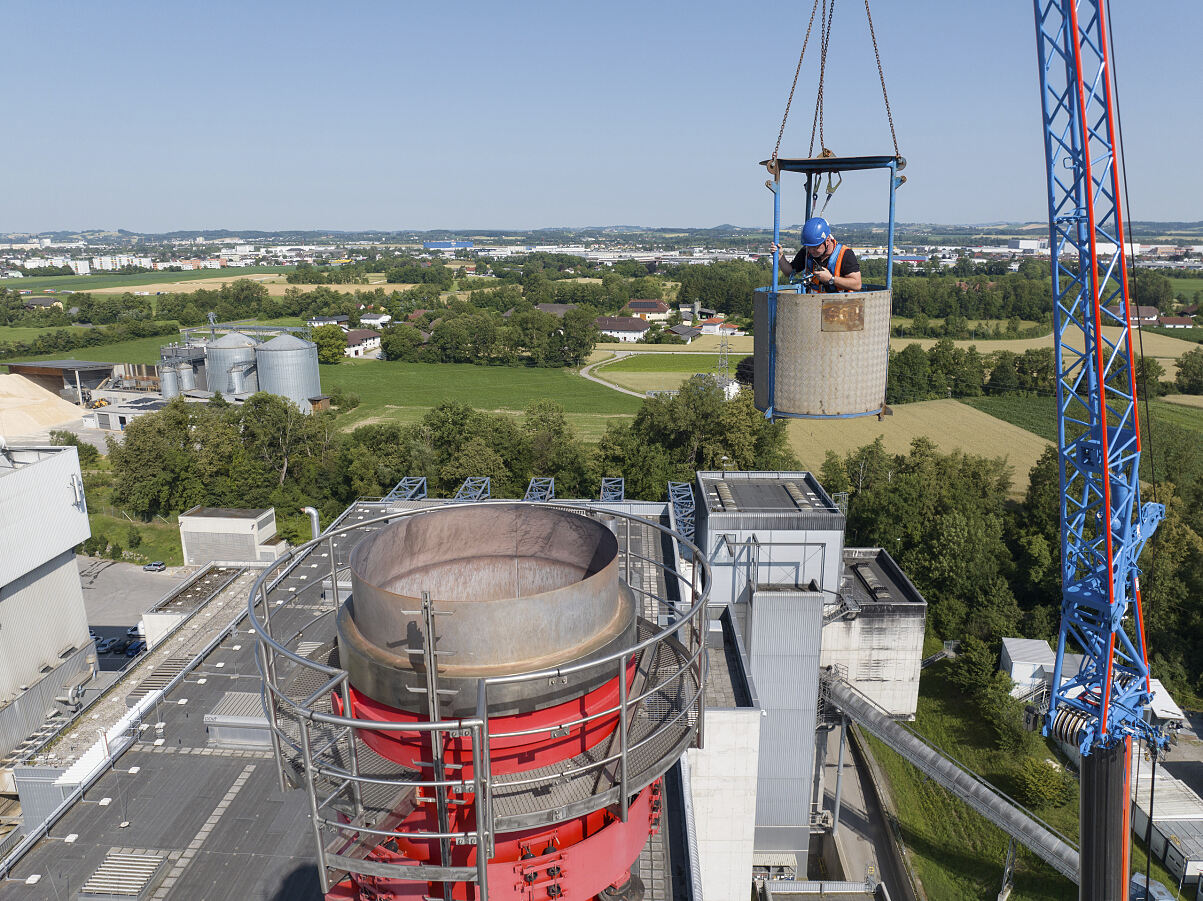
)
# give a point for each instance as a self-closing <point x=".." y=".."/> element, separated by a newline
<point x="403" y="392"/>
<point x="951" y="424"/>
<point x="139" y="280"/>
<point x="1038" y="414"/>
<point x="703" y="343"/>
<point x="1186" y="288"/>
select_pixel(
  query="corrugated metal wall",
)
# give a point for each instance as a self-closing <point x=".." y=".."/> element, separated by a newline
<point x="41" y="616"/>
<point x="40" y="516"/>
<point x="784" y="645"/>
<point x="203" y="547"/>
<point x="27" y="712"/>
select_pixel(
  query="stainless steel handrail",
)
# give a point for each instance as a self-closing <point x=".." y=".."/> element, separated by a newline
<point x="686" y="629"/>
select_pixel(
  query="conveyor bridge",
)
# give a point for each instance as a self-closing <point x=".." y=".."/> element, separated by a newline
<point x="1041" y="839"/>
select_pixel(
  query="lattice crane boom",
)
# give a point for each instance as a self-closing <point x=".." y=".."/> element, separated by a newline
<point x="1104" y="524"/>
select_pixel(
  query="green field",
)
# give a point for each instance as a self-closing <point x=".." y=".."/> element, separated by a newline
<point x="95" y="282"/>
<point x="136" y="350"/>
<point x="666" y="362"/>
<point x="1186" y="288"/>
<point x="21" y="333"/>
<point x="956" y="853"/>
<point x="1038" y="415"/>
<point x="403" y="392"/>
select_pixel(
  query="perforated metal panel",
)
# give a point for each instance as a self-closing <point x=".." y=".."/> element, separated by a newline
<point x="831" y="356"/>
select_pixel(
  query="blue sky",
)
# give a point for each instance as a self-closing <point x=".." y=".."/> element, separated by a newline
<point x="159" y="116"/>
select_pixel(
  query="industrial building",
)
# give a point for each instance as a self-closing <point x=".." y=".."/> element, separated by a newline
<point x="222" y="534"/>
<point x="46" y="653"/>
<point x="720" y="762"/>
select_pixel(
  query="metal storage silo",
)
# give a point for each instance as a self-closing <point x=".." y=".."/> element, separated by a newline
<point x="169" y="379"/>
<point x="288" y="366"/>
<point x="187" y="375"/>
<point x="223" y="355"/>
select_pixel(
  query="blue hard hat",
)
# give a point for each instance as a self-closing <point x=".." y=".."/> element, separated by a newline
<point x="815" y="231"/>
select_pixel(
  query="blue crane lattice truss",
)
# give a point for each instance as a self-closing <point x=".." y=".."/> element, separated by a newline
<point x="475" y="488"/>
<point x="613" y="488"/>
<point x="410" y="488"/>
<point x="1104" y="525"/>
<point x="540" y="489"/>
<point x="680" y="495"/>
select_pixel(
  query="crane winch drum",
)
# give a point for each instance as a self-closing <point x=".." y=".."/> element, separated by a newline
<point x="494" y="708"/>
<point x="823" y="355"/>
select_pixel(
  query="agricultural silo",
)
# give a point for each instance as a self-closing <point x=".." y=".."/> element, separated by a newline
<point x="223" y="355"/>
<point x="169" y="379"/>
<point x="187" y="375"/>
<point x="288" y="366"/>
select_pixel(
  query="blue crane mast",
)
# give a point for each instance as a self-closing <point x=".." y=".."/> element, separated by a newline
<point x="1104" y="524"/>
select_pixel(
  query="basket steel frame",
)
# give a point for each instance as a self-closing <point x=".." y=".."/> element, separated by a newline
<point x="334" y="756"/>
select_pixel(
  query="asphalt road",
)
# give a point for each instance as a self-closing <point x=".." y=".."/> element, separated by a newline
<point x="116" y="595"/>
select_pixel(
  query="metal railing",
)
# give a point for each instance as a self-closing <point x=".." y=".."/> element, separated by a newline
<point x="657" y="715"/>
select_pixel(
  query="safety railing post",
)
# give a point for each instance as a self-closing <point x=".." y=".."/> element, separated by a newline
<point x="624" y="799"/>
<point x="311" y="789"/>
<point x="486" y="779"/>
<point x="484" y="828"/>
<point x="333" y="572"/>
<point x="353" y="756"/>
<point x="269" y="704"/>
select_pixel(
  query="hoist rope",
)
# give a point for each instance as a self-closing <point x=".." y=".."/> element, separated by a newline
<point x="1117" y="150"/>
<point x="793" y="87"/>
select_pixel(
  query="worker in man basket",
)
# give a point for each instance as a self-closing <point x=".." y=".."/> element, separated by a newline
<point x="827" y="264"/>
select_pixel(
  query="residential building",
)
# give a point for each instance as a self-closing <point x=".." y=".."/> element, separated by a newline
<point x="649" y="310"/>
<point x="318" y="321"/>
<point x="375" y="320"/>
<point x="1176" y="322"/>
<point x="627" y="329"/>
<point x="1137" y="315"/>
<point x="555" y="309"/>
<point x="710" y="325"/>
<point x="363" y="342"/>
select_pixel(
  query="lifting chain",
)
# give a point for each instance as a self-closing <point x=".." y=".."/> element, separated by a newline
<point x="793" y="87"/>
<point x="882" y="75"/>
<point x="826" y="16"/>
<point x="825" y="41"/>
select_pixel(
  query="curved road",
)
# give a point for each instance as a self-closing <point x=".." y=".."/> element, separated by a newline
<point x="587" y="371"/>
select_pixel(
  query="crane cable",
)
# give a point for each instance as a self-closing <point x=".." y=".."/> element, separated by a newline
<point x="1118" y="150"/>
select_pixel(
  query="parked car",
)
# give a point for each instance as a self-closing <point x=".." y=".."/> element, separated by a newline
<point x="135" y="648"/>
<point x="133" y="631"/>
<point x="157" y="567"/>
<point x="103" y="647"/>
<point x="92" y="634"/>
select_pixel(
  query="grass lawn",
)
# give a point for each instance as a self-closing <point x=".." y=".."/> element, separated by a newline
<point x="1186" y="288"/>
<point x="950" y="424"/>
<point x="403" y="392"/>
<point x="158" y="540"/>
<point x="100" y="280"/>
<point x="956" y="852"/>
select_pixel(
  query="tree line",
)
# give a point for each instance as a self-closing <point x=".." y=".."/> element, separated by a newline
<point x="990" y="568"/>
<point x="267" y="453"/>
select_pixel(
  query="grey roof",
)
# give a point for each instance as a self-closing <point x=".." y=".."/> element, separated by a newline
<point x="285" y="342"/>
<point x="226" y="512"/>
<point x="233" y="339"/>
<point x="69" y="365"/>
<point x="1029" y="650"/>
